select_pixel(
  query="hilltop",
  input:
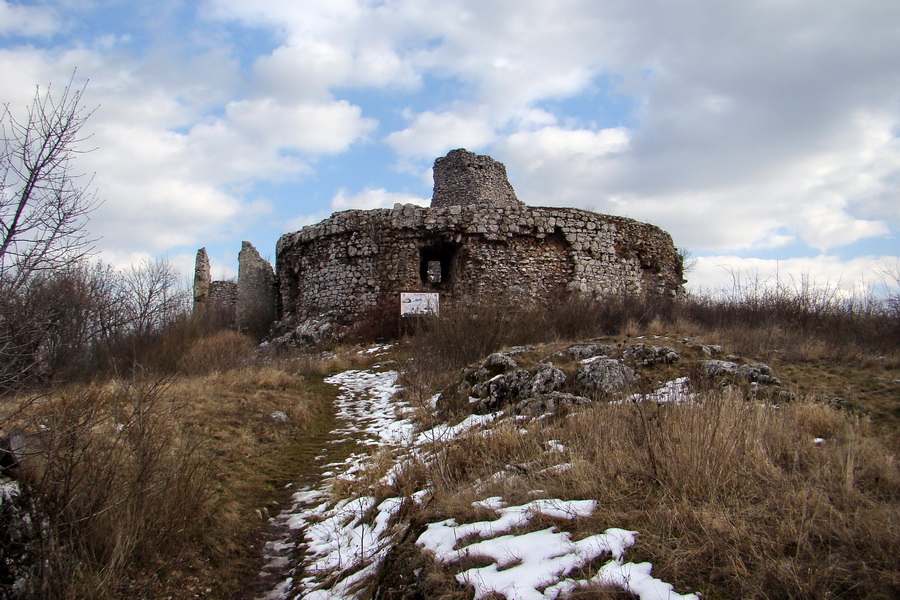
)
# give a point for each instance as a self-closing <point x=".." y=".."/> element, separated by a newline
<point x="739" y="455"/>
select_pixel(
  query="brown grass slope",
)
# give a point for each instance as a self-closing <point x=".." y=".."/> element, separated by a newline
<point x="729" y="492"/>
<point x="159" y="485"/>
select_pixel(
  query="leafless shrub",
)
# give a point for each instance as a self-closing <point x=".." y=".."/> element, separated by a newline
<point x="154" y="296"/>
<point x="43" y="206"/>
<point x="801" y="319"/>
<point x="121" y="484"/>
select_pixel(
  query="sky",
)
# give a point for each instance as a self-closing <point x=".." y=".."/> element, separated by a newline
<point x="761" y="134"/>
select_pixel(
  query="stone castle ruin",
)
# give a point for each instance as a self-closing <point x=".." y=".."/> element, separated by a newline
<point x="476" y="240"/>
<point x="251" y="303"/>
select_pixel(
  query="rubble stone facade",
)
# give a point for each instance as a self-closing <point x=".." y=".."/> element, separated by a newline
<point x="223" y="296"/>
<point x="462" y="178"/>
<point x="477" y="240"/>
<point x="256" y="298"/>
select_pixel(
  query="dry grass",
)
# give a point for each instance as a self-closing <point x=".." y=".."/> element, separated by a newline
<point x="731" y="498"/>
<point x="220" y="351"/>
<point x="163" y="488"/>
<point x="122" y="483"/>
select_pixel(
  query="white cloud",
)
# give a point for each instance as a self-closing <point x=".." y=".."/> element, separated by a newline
<point x="739" y="121"/>
<point x="742" y="125"/>
<point x="300" y="221"/>
<point x="374" y="198"/>
<point x="28" y="21"/>
<point x="328" y="43"/>
<point x="169" y="171"/>
<point x="263" y="138"/>
<point x="309" y="68"/>
<point x="432" y="134"/>
<point x="182" y="262"/>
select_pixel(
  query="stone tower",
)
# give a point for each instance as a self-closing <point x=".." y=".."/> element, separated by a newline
<point x="463" y="178"/>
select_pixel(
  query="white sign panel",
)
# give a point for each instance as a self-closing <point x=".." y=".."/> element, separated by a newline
<point x="419" y="303"/>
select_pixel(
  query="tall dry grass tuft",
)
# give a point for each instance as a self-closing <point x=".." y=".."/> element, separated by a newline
<point x="121" y="483"/>
<point x="221" y="351"/>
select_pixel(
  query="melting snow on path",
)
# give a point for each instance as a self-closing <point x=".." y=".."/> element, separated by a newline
<point x="332" y="549"/>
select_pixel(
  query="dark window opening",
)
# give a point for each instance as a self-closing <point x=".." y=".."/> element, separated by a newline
<point x="436" y="264"/>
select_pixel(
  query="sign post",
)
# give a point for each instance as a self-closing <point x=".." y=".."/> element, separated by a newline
<point x="419" y="303"/>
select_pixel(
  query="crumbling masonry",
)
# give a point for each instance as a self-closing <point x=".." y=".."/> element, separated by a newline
<point x="477" y="240"/>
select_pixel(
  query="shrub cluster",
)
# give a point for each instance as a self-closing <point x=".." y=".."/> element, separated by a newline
<point x="84" y="320"/>
<point x="119" y="481"/>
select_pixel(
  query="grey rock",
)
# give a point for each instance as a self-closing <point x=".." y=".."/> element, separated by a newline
<point x="754" y="373"/>
<point x="583" y="351"/>
<point x="719" y="368"/>
<point x="24" y="537"/>
<point x="514" y="350"/>
<point x="549" y="403"/>
<point x="496" y="393"/>
<point x="606" y="375"/>
<point x="308" y="332"/>
<point x="758" y="373"/>
<point x="711" y="349"/>
<point x="547" y="379"/>
<point x="503" y="361"/>
<point x="12" y="449"/>
<point x="648" y="354"/>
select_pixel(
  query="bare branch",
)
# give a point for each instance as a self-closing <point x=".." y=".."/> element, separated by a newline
<point x="44" y="202"/>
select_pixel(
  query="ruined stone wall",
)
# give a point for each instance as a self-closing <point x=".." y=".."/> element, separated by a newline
<point x="218" y="298"/>
<point x="462" y="178"/>
<point x="250" y="304"/>
<point x="476" y="241"/>
<point x="256" y="296"/>
<point x="222" y="299"/>
<point x="343" y="265"/>
<point x="202" y="277"/>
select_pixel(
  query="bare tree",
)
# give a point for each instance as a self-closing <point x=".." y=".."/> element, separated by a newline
<point x="44" y="202"/>
<point x="43" y="213"/>
<point x="153" y="295"/>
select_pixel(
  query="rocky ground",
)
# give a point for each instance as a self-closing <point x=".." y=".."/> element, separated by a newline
<point x="334" y="539"/>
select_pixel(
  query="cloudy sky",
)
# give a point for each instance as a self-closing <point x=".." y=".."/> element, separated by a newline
<point x="762" y="134"/>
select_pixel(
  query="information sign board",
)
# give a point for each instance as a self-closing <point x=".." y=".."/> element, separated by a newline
<point x="419" y="303"/>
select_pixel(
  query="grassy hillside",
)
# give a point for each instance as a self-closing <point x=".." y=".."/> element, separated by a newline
<point x="161" y="485"/>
